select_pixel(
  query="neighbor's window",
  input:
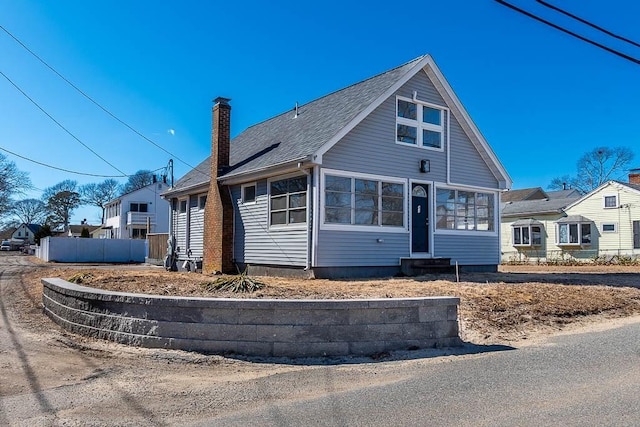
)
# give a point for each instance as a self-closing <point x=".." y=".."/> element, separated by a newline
<point x="138" y="207"/>
<point x="609" y="228"/>
<point x="418" y="124"/>
<point x="362" y="201"/>
<point x="574" y="234"/>
<point x="249" y="193"/>
<point x="611" y="201"/>
<point x="288" y="201"/>
<point x="139" y="233"/>
<point x="464" y="210"/>
<point x="528" y="235"/>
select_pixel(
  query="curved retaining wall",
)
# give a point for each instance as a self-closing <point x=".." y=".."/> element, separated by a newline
<point x="292" y="328"/>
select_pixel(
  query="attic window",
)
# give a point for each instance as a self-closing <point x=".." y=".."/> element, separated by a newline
<point x="249" y="193"/>
<point x="610" y="201"/>
<point x="419" y="124"/>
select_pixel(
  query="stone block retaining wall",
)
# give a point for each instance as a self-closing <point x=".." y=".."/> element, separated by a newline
<point x="257" y="327"/>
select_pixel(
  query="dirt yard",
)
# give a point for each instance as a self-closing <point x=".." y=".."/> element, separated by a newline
<point x="517" y="303"/>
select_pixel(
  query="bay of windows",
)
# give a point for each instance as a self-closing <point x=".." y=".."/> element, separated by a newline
<point x="362" y="201"/>
<point x="288" y="201"/>
<point x="528" y="235"/>
<point x="419" y="125"/>
<point x="464" y="210"/>
<point x="574" y="234"/>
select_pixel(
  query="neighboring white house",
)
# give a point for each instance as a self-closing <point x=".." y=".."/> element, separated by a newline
<point x="26" y="233"/>
<point x="128" y="216"/>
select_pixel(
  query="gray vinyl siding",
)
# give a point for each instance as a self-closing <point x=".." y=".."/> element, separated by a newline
<point x="196" y="226"/>
<point x="257" y="244"/>
<point x="370" y="148"/>
<point x="361" y="249"/>
<point x="180" y="229"/>
<point x="465" y="158"/>
<point x="472" y="249"/>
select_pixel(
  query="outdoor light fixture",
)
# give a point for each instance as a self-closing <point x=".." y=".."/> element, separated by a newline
<point x="425" y="166"/>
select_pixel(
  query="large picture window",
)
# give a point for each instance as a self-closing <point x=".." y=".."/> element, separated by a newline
<point x="464" y="210"/>
<point x="418" y="124"/>
<point x="574" y="234"/>
<point x="363" y="201"/>
<point x="288" y="201"/>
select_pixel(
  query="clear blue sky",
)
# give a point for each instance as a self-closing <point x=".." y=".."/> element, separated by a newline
<point x="540" y="97"/>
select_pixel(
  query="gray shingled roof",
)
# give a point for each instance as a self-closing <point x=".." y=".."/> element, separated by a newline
<point x="530" y="207"/>
<point x="285" y="138"/>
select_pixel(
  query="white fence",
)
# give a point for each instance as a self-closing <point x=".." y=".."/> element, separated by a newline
<point x="73" y="249"/>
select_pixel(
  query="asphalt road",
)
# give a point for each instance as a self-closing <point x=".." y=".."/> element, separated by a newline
<point x="51" y="378"/>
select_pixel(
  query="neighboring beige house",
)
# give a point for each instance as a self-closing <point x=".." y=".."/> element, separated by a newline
<point x="528" y="219"/>
<point x="76" y="230"/>
<point x="603" y="223"/>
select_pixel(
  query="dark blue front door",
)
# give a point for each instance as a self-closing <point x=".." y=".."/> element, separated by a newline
<point x="419" y="219"/>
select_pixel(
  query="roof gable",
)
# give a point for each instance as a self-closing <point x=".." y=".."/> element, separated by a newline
<point x="307" y="132"/>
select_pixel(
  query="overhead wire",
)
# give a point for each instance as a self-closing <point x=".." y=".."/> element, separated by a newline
<point x="571" y="33"/>
<point x="59" y="168"/>
<point x="96" y="103"/>
<point x="60" y="124"/>
<point x="587" y="22"/>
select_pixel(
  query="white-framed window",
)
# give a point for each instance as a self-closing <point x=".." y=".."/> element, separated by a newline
<point x="202" y="202"/>
<point x="288" y="201"/>
<point x="573" y="233"/>
<point x="360" y="201"/>
<point x="610" y="201"/>
<point x="609" y="227"/>
<point x="464" y="210"/>
<point x="249" y="193"/>
<point x="419" y="124"/>
<point x="527" y="235"/>
<point x="183" y="206"/>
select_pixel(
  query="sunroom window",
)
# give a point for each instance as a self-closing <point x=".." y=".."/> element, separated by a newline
<point x="464" y="210"/>
<point x="363" y="201"/>
<point x="418" y="124"/>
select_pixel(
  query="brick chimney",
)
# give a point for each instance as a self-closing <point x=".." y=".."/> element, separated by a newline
<point x="218" y="214"/>
<point x="634" y="176"/>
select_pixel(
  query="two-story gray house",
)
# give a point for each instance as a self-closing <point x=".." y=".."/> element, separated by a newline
<point x="387" y="175"/>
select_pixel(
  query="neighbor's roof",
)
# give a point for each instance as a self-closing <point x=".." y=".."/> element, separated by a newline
<point x="523" y="194"/>
<point x="288" y="138"/>
<point x="536" y="207"/>
<point x="77" y="229"/>
<point x="34" y="228"/>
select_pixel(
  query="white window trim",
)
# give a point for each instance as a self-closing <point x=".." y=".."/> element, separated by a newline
<point x="364" y="228"/>
<point x="496" y="225"/>
<point x="299" y="226"/>
<point x="419" y="124"/>
<point x="530" y="244"/>
<point x="200" y="197"/>
<point x="604" y="198"/>
<point x="615" y="227"/>
<point x="255" y="197"/>
<point x="579" y="243"/>
<point x="186" y="200"/>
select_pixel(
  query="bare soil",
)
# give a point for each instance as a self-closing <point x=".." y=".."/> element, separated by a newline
<point x="517" y="303"/>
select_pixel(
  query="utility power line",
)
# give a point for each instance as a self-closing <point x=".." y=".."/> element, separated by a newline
<point x="59" y="124"/>
<point x="587" y="22"/>
<point x="96" y="103"/>
<point x="571" y="33"/>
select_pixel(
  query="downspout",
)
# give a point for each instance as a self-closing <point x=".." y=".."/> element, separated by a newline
<point x="448" y="147"/>
<point x="310" y="222"/>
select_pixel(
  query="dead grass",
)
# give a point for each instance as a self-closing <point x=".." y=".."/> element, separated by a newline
<point x="516" y="303"/>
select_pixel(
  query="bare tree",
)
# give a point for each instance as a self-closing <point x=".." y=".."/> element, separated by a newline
<point x="596" y="167"/>
<point x="138" y="180"/>
<point x="61" y="199"/>
<point x="12" y="181"/>
<point x="30" y="211"/>
<point x="99" y="194"/>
